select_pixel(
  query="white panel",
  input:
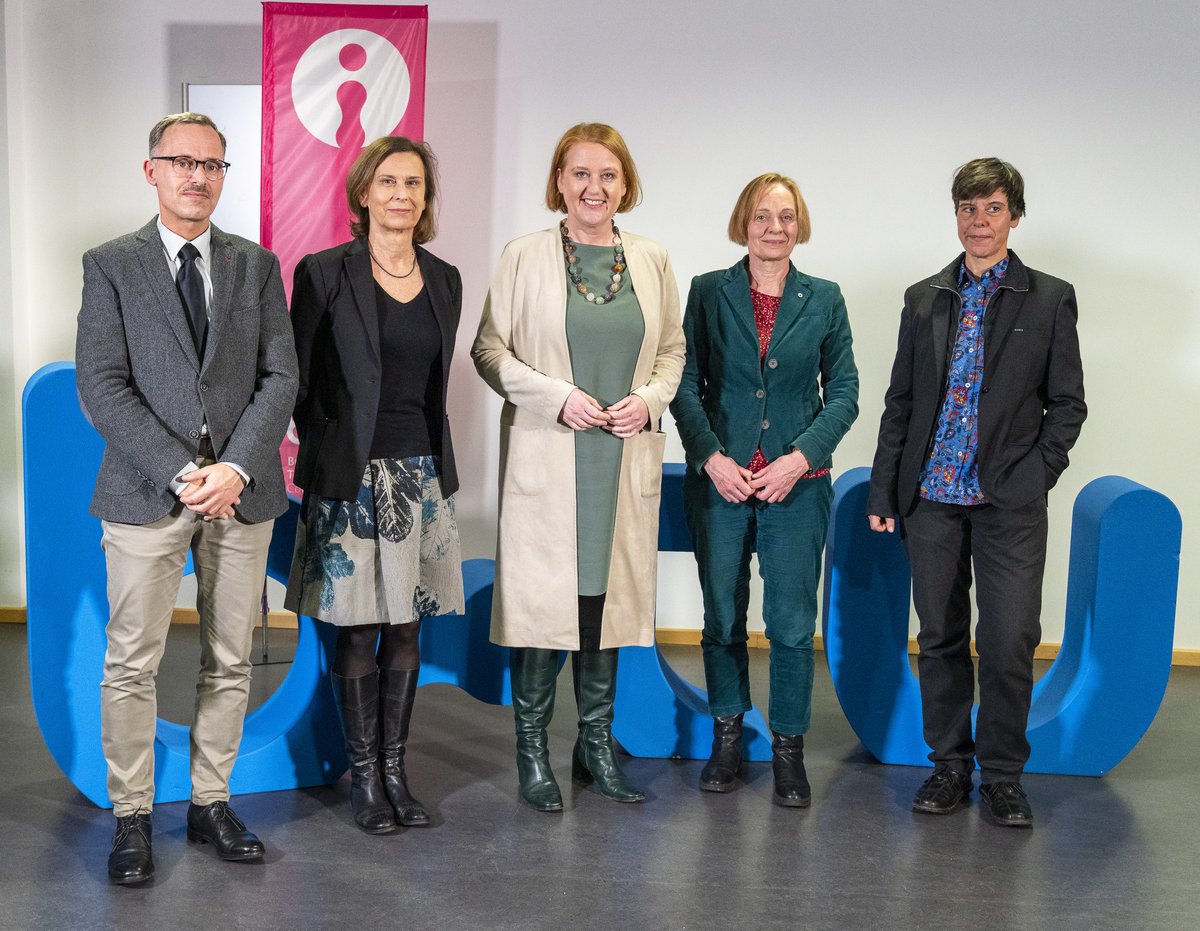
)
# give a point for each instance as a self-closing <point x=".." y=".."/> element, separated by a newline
<point x="237" y="111"/>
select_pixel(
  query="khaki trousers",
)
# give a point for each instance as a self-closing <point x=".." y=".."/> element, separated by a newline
<point x="145" y="567"/>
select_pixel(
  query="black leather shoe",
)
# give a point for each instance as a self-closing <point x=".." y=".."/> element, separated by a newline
<point x="726" y="757"/>
<point x="130" y="861"/>
<point x="787" y="765"/>
<point x="942" y="793"/>
<point x="1005" y="804"/>
<point x="216" y="824"/>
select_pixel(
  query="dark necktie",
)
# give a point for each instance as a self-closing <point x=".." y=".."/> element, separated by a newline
<point x="191" y="288"/>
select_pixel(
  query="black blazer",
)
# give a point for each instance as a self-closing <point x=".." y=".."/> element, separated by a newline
<point x="1031" y="402"/>
<point x="335" y="320"/>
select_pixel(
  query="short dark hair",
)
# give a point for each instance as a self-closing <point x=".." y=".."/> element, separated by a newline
<point x="604" y="135"/>
<point x="177" y="119"/>
<point x="362" y="173"/>
<point x="743" y="210"/>
<point x="980" y="176"/>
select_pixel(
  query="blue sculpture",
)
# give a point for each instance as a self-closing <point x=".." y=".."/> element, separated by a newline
<point x="1089" y="710"/>
<point x="1103" y="690"/>
<point x="293" y="739"/>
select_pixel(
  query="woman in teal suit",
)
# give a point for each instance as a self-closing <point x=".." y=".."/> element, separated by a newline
<point x="769" y="389"/>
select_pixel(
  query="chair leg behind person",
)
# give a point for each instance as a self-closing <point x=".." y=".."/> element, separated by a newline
<point x="534" y="678"/>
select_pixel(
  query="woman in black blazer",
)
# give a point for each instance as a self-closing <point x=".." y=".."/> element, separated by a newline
<point x="377" y="546"/>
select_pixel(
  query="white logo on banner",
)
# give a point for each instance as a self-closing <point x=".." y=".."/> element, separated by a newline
<point x="350" y="55"/>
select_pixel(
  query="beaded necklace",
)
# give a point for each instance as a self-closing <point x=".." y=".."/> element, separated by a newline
<point x="576" y="275"/>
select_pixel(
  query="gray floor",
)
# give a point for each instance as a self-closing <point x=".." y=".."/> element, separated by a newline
<point x="1118" y="852"/>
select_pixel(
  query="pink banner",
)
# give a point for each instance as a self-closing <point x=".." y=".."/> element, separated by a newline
<point x="335" y="77"/>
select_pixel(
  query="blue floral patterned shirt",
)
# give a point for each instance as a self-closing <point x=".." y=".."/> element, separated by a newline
<point x="952" y="475"/>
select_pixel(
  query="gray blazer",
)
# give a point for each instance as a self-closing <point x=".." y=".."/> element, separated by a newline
<point x="144" y="389"/>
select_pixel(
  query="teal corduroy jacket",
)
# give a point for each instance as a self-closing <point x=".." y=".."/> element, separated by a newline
<point x="802" y="395"/>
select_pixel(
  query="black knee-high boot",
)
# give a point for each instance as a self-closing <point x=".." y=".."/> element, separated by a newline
<point x="595" y="688"/>
<point x="397" y="689"/>
<point x="359" y="700"/>
<point x="534" y="676"/>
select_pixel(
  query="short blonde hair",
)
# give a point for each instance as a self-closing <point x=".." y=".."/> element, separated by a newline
<point x="606" y="136"/>
<point x="743" y="210"/>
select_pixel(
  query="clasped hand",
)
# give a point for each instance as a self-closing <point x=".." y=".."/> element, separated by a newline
<point x="212" y="491"/>
<point x="624" y="419"/>
<point x="771" y="484"/>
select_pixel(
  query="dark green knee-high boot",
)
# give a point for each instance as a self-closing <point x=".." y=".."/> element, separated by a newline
<point x="534" y="675"/>
<point x="359" y="700"/>
<point x="397" y="689"/>
<point x="594" y="759"/>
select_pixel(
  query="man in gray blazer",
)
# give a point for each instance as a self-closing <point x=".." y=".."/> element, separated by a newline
<point x="186" y="367"/>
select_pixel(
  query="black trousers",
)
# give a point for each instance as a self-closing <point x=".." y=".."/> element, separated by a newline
<point x="1007" y="549"/>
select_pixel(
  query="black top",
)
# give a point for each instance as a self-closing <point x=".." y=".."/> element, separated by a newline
<point x="408" y="422"/>
<point x="335" y="319"/>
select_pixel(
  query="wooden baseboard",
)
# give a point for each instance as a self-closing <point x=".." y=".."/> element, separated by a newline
<point x="284" y="620"/>
<point x="680" y="636"/>
<point x="684" y="636"/>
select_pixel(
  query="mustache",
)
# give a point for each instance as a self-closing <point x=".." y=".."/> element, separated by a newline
<point x="198" y="188"/>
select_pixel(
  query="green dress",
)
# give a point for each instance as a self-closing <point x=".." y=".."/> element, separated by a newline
<point x="604" y="342"/>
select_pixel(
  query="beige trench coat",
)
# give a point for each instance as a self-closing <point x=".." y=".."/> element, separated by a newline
<point x="521" y="352"/>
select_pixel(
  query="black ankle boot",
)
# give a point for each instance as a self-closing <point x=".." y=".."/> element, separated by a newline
<point x="359" y="700"/>
<point x="726" y="758"/>
<point x="594" y="759"/>
<point x="787" y="764"/>
<point x="534" y="677"/>
<point x="397" y="689"/>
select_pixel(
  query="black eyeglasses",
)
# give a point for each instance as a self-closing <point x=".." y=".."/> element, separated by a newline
<point x="185" y="165"/>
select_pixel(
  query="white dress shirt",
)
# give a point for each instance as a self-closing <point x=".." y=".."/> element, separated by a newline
<point x="172" y="243"/>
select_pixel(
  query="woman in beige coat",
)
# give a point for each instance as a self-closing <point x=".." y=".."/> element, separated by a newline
<point x="581" y="337"/>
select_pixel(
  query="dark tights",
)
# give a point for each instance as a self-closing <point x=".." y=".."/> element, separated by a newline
<point x="591" y="615"/>
<point x="390" y="646"/>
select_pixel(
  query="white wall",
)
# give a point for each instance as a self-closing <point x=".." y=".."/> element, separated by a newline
<point x="10" y="500"/>
<point x="869" y="105"/>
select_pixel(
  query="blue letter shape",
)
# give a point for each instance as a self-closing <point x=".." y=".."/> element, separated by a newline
<point x="293" y="739"/>
<point x="1104" y="688"/>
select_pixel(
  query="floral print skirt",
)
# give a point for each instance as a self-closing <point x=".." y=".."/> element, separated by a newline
<point x="391" y="556"/>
